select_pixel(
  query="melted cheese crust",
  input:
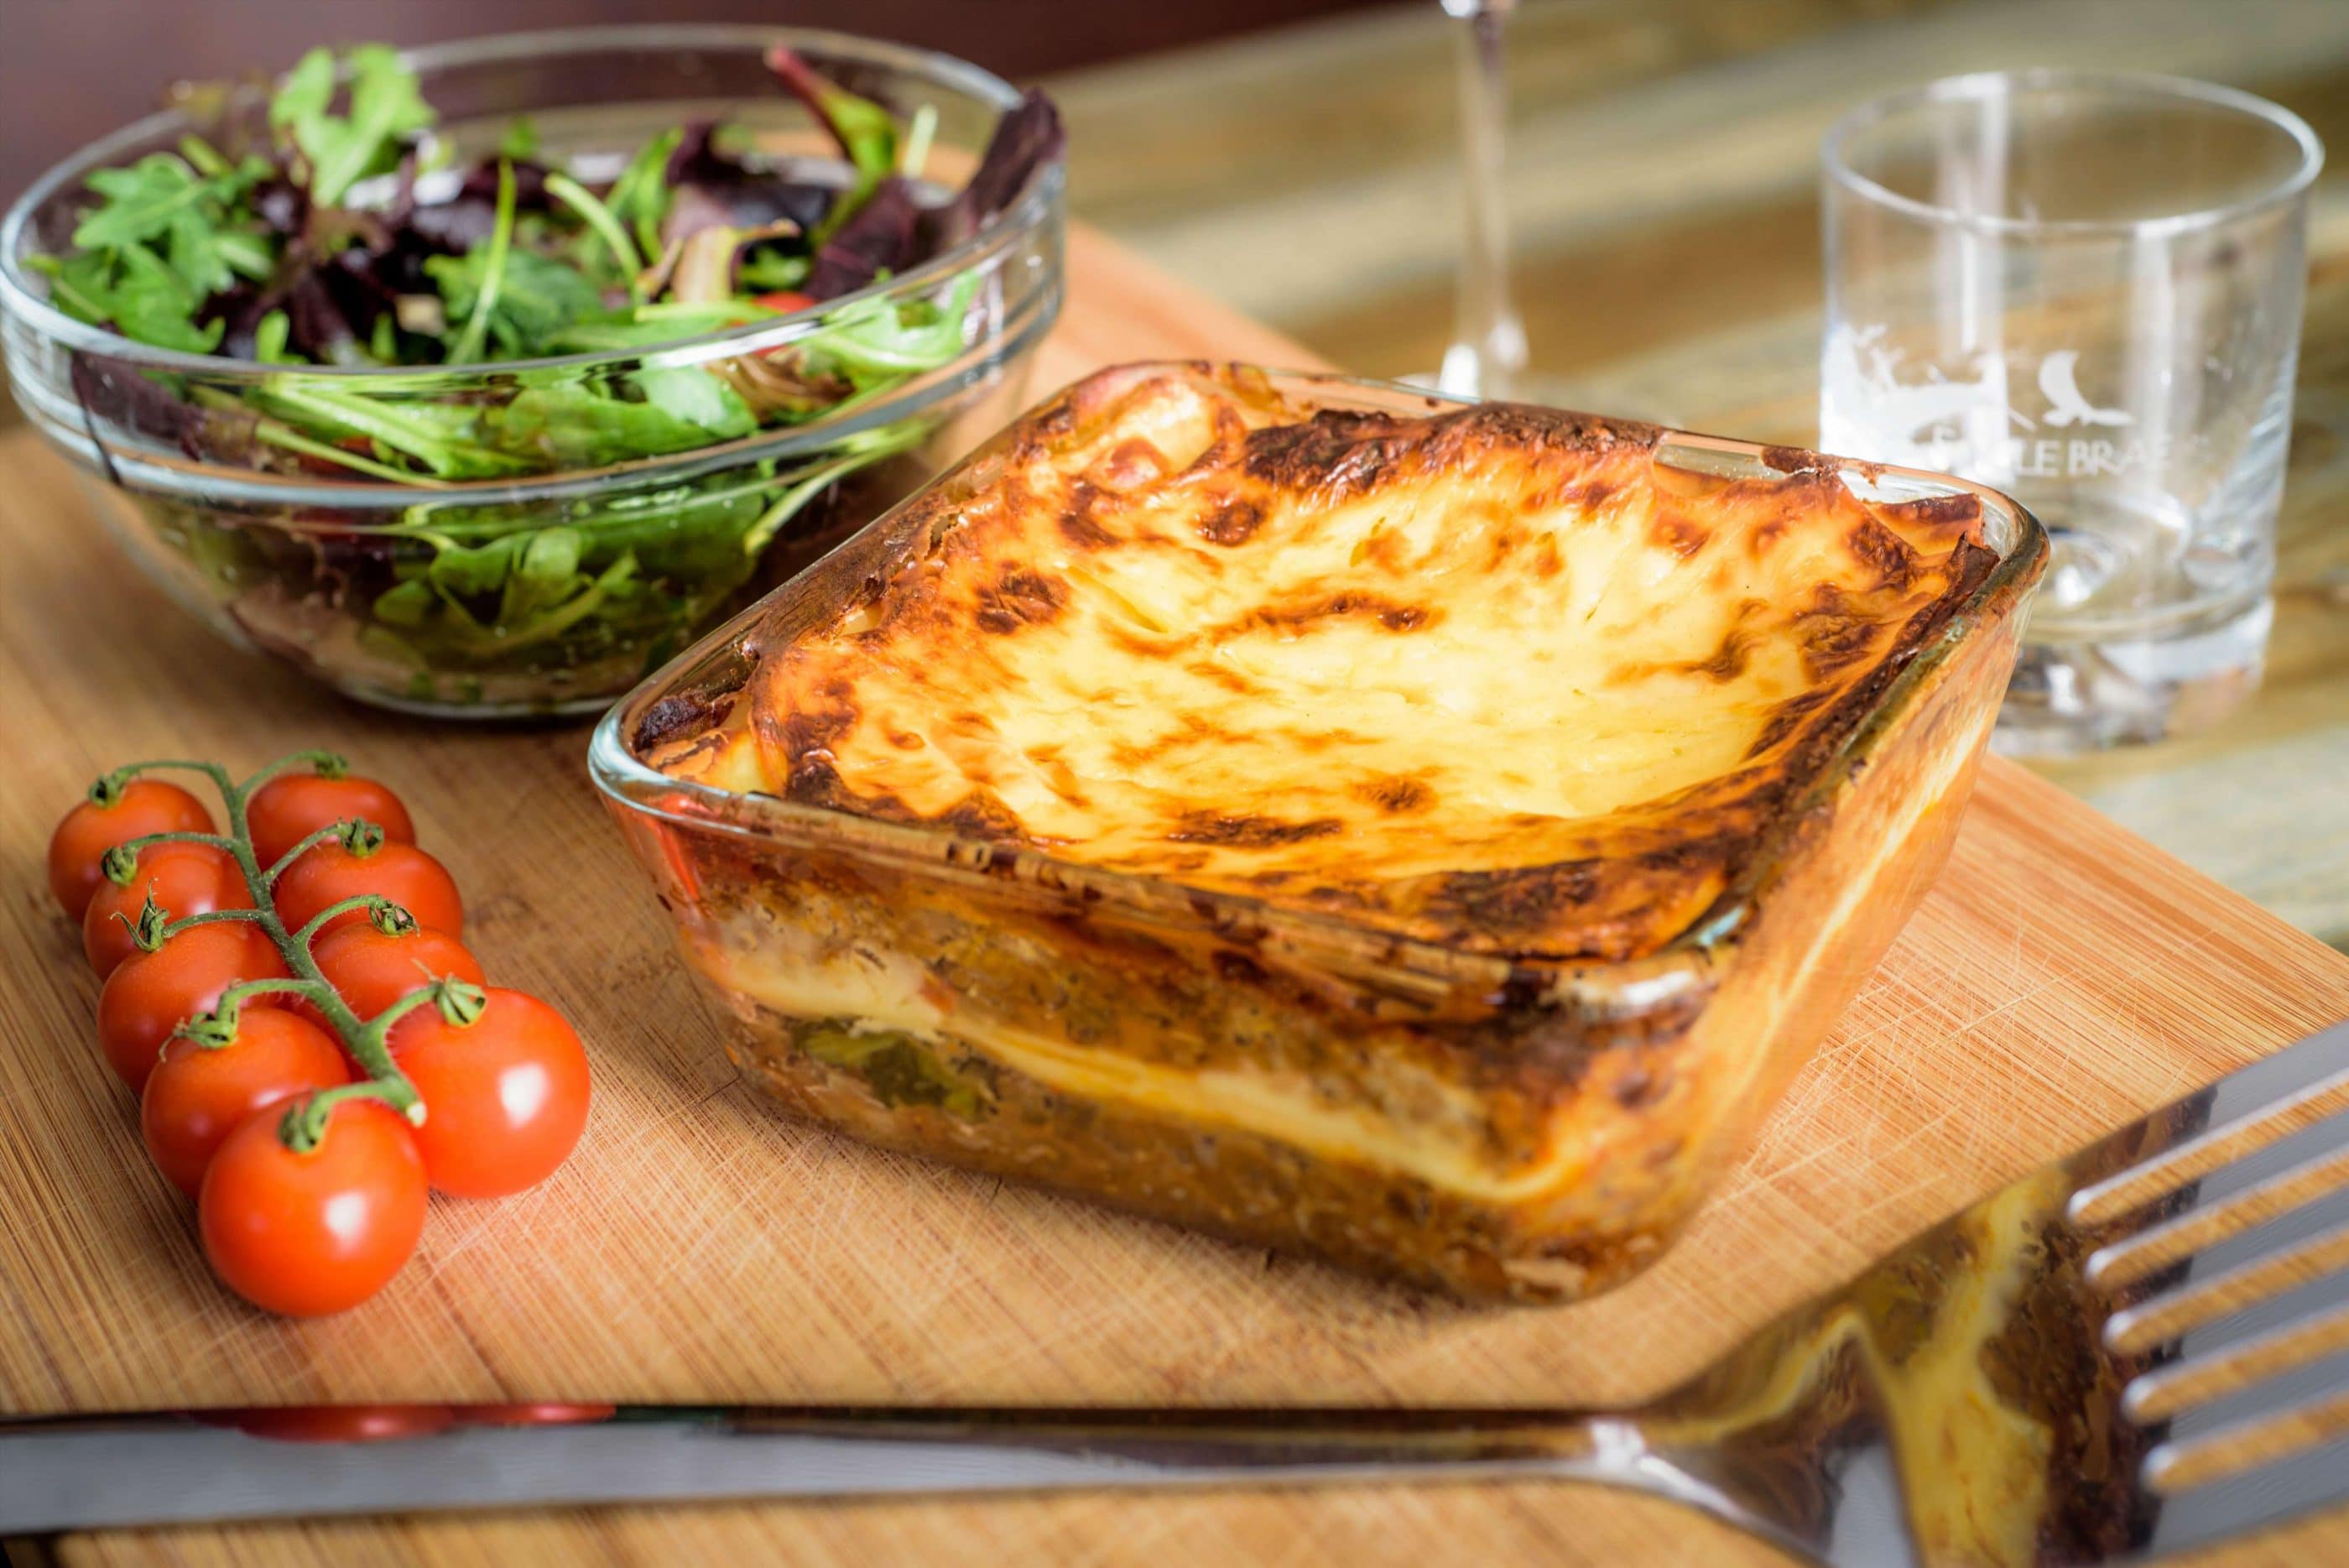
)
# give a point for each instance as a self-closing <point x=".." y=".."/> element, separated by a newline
<point x="1495" y="676"/>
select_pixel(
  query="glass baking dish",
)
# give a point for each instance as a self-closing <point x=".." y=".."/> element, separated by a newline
<point x="1602" y="1098"/>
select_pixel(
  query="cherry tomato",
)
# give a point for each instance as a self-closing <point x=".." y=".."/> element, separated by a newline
<point x="505" y="1096"/>
<point x="785" y="300"/>
<point x="335" y="1423"/>
<point x="89" y="830"/>
<point x="150" y="993"/>
<point x="185" y="879"/>
<point x="292" y="806"/>
<point x="534" y="1414"/>
<point x="402" y="873"/>
<point x="317" y="1232"/>
<point x="198" y="1094"/>
<point x="373" y="970"/>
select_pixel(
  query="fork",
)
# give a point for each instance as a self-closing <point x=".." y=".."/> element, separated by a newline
<point x="2141" y="1348"/>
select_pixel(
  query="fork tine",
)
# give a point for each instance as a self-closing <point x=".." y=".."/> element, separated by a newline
<point x="2315" y="1479"/>
<point x="2224" y="1281"/>
<point x="2257" y="1425"/>
<point x="2325" y="1133"/>
<point x="2288" y="1228"/>
<point x="2279" y="1336"/>
<point x="2241" y="1113"/>
<point x="2309" y="1386"/>
<point x="2287" y="1207"/>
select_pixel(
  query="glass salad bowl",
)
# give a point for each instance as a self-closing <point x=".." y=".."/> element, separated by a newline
<point x="340" y="517"/>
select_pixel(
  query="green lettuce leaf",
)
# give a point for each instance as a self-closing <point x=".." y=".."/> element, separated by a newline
<point x="579" y="424"/>
<point x="536" y="298"/>
<point x="386" y="105"/>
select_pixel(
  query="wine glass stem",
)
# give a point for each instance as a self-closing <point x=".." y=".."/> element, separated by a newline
<point x="1488" y="349"/>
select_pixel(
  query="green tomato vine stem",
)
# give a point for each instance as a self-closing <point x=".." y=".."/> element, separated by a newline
<point x="109" y="787"/>
<point x="119" y="864"/>
<point x="325" y="834"/>
<point x="364" y="1042"/>
<point x="209" y="918"/>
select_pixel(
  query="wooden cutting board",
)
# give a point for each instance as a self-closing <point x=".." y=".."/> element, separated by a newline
<point x="2063" y="977"/>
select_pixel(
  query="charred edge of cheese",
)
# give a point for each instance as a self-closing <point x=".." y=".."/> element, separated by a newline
<point x="1493" y="677"/>
<point x="794" y="972"/>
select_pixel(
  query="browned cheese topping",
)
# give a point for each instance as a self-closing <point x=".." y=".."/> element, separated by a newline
<point x="1493" y="677"/>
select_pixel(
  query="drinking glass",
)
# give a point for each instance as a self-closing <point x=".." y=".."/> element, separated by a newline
<point x="2084" y="288"/>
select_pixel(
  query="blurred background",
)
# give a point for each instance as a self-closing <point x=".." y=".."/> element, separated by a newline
<point x="72" y="69"/>
<point x="1299" y="158"/>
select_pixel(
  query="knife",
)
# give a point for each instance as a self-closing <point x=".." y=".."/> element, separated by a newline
<point x="86" y="1472"/>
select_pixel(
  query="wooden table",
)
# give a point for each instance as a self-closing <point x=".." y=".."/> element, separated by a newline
<point x="1664" y="210"/>
<point x="2063" y="977"/>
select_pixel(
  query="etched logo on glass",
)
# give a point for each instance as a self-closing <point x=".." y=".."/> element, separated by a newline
<point x="2059" y="384"/>
<point x="1968" y="423"/>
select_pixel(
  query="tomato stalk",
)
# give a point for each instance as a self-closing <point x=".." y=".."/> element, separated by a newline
<point x="305" y="1123"/>
<point x="325" y="834"/>
<point x="394" y="919"/>
<point x="147" y="932"/>
<point x="216" y="1030"/>
<point x="154" y="930"/>
<point x="327" y="764"/>
<point x="108" y="789"/>
<point x="119" y="864"/>
<point x="373" y="903"/>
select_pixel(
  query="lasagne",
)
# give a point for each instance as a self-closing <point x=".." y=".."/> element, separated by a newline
<point x="1413" y="831"/>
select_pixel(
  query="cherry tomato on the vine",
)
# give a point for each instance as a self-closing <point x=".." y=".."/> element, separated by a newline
<point x="335" y="1423"/>
<point x="199" y="1092"/>
<point x="540" y="1415"/>
<point x="185" y="879"/>
<point x="292" y="806"/>
<point x="149" y="996"/>
<point x="142" y="806"/>
<point x="373" y="969"/>
<point x="505" y="1096"/>
<point x="402" y="873"/>
<point x="317" y="1232"/>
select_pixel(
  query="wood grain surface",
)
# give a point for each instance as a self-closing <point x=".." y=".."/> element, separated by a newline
<point x="2063" y="977"/>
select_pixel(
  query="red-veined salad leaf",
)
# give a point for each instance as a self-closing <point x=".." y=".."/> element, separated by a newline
<point x="333" y="231"/>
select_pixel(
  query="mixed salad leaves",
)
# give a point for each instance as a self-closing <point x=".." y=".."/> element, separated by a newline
<point x="330" y="228"/>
